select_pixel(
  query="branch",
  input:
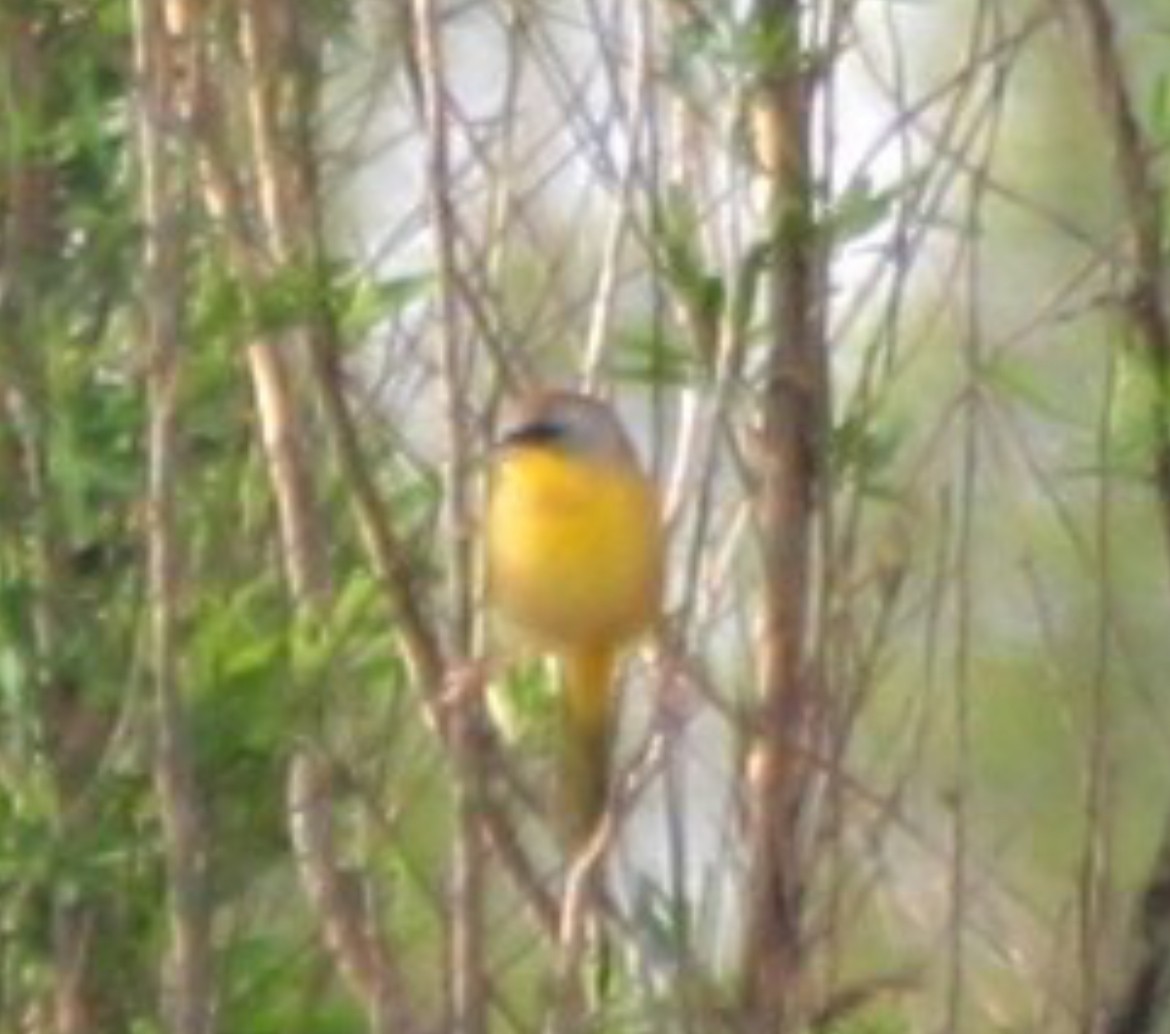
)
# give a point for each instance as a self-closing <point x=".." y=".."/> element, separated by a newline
<point x="190" y="1004"/>
<point x="1141" y="1005"/>
<point x="467" y="980"/>
<point x="794" y="408"/>
<point x="352" y="937"/>
<point x="1144" y="208"/>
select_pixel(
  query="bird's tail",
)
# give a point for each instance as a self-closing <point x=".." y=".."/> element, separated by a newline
<point x="587" y="729"/>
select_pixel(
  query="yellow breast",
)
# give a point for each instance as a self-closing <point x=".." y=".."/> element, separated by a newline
<point x="574" y="548"/>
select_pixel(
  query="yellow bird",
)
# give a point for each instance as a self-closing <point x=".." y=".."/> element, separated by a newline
<point x="575" y="560"/>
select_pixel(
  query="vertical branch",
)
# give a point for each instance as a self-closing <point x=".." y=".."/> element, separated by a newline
<point x="1141" y="1004"/>
<point x="956" y="963"/>
<point x="264" y="31"/>
<point x="637" y="99"/>
<point x="356" y="942"/>
<point x="468" y="979"/>
<point x="454" y="353"/>
<point x="1144" y="211"/>
<point x="1095" y="859"/>
<point x="956" y="994"/>
<point x="794" y="408"/>
<point x="190" y="999"/>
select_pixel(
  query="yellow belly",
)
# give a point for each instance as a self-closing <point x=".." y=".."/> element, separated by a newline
<point x="574" y="549"/>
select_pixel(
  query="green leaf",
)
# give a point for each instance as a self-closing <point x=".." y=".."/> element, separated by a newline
<point x="860" y="209"/>
<point x="365" y="301"/>
<point x="864" y="445"/>
<point x="676" y="229"/>
<point x="648" y="356"/>
<point x="522" y="701"/>
<point x="286" y="299"/>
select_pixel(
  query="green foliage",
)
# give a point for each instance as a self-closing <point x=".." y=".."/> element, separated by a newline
<point x="295" y="295"/>
<point x="523" y="702"/>
<point x="363" y="302"/>
<point x="719" y="38"/>
<point x="648" y="356"/>
<point x="862" y="208"/>
<point x="863" y="449"/>
<point x="872" y="1020"/>
<point x="676" y="229"/>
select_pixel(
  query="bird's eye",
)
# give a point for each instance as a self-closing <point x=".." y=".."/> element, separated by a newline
<point x="535" y="432"/>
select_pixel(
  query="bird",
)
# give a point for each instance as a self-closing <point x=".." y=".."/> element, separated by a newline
<point x="575" y="560"/>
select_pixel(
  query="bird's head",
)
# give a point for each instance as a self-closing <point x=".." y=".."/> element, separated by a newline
<point x="566" y="422"/>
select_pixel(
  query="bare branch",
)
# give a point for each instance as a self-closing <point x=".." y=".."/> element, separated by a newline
<point x="346" y="915"/>
<point x="794" y="411"/>
<point x="1141" y="1004"/>
<point x="190" y="996"/>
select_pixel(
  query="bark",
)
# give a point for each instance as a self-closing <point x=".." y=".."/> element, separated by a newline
<point x="1139" y="1007"/>
<point x="189" y="995"/>
<point x="793" y="409"/>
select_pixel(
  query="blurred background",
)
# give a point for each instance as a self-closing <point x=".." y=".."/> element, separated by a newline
<point x="267" y="272"/>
